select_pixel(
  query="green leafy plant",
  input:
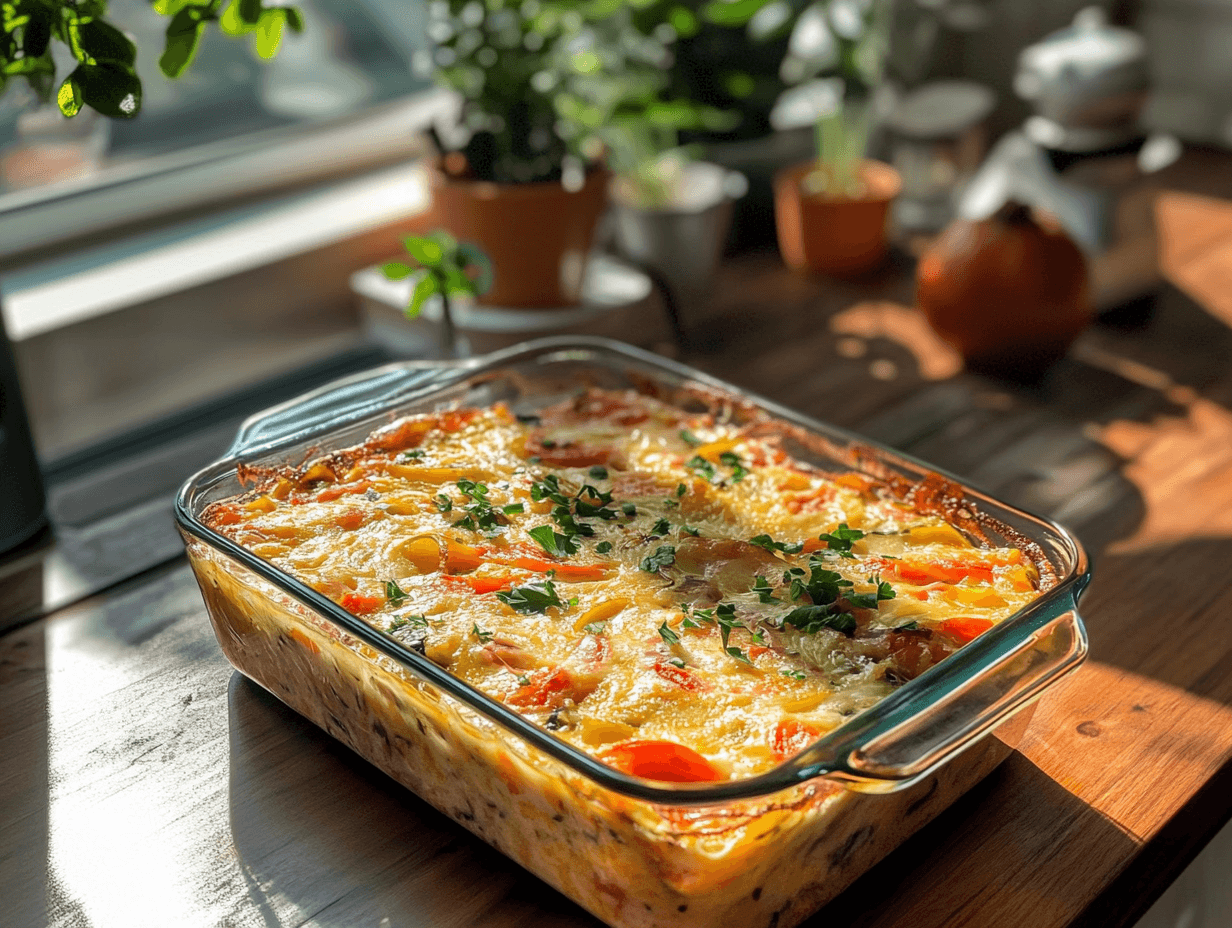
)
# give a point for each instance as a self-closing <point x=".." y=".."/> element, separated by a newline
<point x="835" y="61"/>
<point x="443" y="267"/>
<point x="546" y="81"/>
<point x="105" y="78"/>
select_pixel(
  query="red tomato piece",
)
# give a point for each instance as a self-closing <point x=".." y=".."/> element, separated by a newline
<point x="341" y="489"/>
<point x="661" y="760"/>
<point x="350" y="519"/>
<point x="359" y="604"/>
<point x="965" y="628"/>
<point x="791" y="737"/>
<point x="547" y="687"/>
<point x="681" y="677"/>
<point x="481" y="585"/>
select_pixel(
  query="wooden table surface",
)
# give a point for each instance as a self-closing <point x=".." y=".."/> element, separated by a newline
<point x="142" y="782"/>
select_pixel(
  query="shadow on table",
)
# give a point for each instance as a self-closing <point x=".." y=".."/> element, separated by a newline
<point x="322" y="834"/>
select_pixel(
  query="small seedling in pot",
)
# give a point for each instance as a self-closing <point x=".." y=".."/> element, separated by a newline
<point x="442" y="267"/>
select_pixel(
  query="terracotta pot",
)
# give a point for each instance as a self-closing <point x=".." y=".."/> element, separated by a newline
<point x="536" y="235"/>
<point x="834" y="235"/>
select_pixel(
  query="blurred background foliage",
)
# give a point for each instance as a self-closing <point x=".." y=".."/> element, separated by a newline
<point x="103" y="75"/>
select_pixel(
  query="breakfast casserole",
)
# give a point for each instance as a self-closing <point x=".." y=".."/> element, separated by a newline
<point x="666" y="589"/>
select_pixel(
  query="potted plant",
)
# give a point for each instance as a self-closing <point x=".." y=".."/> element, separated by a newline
<point x="513" y="187"/>
<point x="443" y="268"/>
<point x="830" y="213"/>
<point x="671" y="213"/>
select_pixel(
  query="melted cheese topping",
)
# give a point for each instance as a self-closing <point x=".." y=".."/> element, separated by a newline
<point x="650" y="631"/>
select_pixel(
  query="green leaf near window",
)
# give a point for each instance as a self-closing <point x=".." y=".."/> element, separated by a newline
<point x="183" y="37"/>
<point x="104" y="42"/>
<point x="424" y="250"/>
<point x="424" y="288"/>
<point x="69" y="97"/>
<point x="397" y="270"/>
<point x="112" y="89"/>
<point x="268" y="35"/>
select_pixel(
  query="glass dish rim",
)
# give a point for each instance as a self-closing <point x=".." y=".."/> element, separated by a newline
<point x="822" y="759"/>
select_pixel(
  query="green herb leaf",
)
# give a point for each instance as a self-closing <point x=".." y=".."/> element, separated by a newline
<point x="527" y="599"/>
<point x="690" y="439"/>
<point x="738" y="654"/>
<point x="909" y="627"/>
<point x="393" y="592"/>
<point x="701" y="466"/>
<point x="603" y="547"/>
<point x="668" y="635"/>
<point x="812" y="619"/>
<point x="839" y="541"/>
<point x="676" y="662"/>
<point x="660" y="528"/>
<point x="594" y="628"/>
<point x="664" y="556"/>
<point x="599" y="472"/>
<point x="794" y="674"/>
<point x="549" y="489"/>
<point x="628" y="509"/>
<point x="513" y="509"/>
<point x="443" y="503"/>
<point x="482" y="635"/>
<point x="763" y="589"/>
<point x="553" y="542"/>
<point x="690" y="530"/>
<point x="415" y="455"/>
<point x="739" y="471"/>
<point x="786" y="547"/>
<point x="408" y="621"/>
<point x="869" y="600"/>
<point x="681" y="489"/>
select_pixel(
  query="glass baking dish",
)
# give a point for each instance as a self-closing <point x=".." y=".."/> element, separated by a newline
<point x="767" y="849"/>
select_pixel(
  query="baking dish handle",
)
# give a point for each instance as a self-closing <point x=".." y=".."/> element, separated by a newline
<point x="347" y="399"/>
<point x="906" y="743"/>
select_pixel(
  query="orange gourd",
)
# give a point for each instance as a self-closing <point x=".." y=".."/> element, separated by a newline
<point x="1010" y="292"/>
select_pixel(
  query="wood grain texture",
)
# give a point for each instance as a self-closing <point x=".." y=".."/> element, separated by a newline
<point x="142" y="783"/>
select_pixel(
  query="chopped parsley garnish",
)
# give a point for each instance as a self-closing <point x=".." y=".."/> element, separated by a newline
<point x="702" y="466"/>
<point x="786" y="547"/>
<point x="794" y="674"/>
<point x="668" y="635"/>
<point x="763" y="589"/>
<point x="812" y="619"/>
<point x="407" y="621"/>
<point x="480" y="515"/>
<point x="681" y="489"/>
<point x="839" y="541"/>
<point x="725" y="615"/>
<point x="513" y="509"/>
<point x="415" y="455"/>
<point x="628" y="509"/>
<point x="739" y="471"/>
<point x="676" y="662"/>
<point x="689" y="530"/>
<point x="603" y="547"/>
<point x="564" y="518"/>
<point x="476" y="491"/>
<point x="549" y="489"/>
<point x="594" y="628"/>
<point x="870" y="600"/>
<point x="599" y="472"/>
<point x="553" y="542"/>
<point x="394" y="593"/>
<point x="690" y="439"/>
<point x="523" y="679"/>
<point x="664" y="556"/>
<point x="909" y="627"/>
<point x="660" y="528"/>
<point x="479" y="633"/>
<point x="443" y="502"/>
<point x="527" y="599"/>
